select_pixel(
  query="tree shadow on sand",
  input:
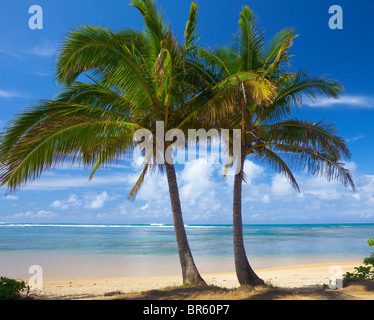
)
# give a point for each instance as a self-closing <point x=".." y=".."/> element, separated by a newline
<point x="357" y="290"/>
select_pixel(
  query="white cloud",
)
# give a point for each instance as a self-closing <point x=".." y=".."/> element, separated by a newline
<point x="101" y="216"/>
<point x="89" y="201"/>
<point x="9" y="94"/>
<point x="44" y="50"/>
<point x="37" y="215"/>
<point x="145" y="207"/>
<point x="356" y="196"/>
<point x="59" y="204"/>
<point x="45" y="214"/>
<point x="321" y="188"/>
<point x="252" y="170"/>
<point x="352" y="101"/>
<point x="196" y="181"/>
<point x="96" y="201"/>
<point x="11" y="197"/>
<point x="154" y="188"/>
<point x="265" y="198"/>
<point x="122" y="208"/>
<point x="280" y="186"/>
<point x="358" y="137"/>
<point x="351" y="166"/>
<point x="71" y="202"/>
<point x="61" y="182"/>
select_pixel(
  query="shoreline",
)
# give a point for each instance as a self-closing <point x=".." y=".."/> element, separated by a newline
<point x="305" y="277"/>
<point x="73" y="266"/>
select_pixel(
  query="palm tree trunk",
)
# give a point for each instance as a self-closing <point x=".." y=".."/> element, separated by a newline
<point x="244" y="272"/>
<point x="189" y="270"/>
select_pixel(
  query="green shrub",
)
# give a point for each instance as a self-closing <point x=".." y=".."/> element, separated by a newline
<point x="371" y="242"/>
<point x="362" y="272"/>
<point x="11" y="289"/>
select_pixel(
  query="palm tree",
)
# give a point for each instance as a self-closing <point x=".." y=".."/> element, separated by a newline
<point x="252" y="91"/>
<point x="136" y="79"/>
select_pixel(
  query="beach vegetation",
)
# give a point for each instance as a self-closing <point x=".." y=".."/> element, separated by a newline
<point x="365" y="272"/>
<point x="11" y="289"/>
<point x="360" y="273"/>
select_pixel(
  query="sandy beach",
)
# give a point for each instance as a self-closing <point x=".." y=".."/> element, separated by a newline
<point x="294" y="282"/>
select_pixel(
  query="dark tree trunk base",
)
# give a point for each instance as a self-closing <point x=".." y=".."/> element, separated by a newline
<point x="244" y="272"/>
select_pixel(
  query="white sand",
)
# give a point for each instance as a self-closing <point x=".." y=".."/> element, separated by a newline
<point x="303" y="277"/>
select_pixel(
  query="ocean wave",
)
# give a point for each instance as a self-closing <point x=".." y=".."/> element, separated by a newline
<point x="208" y="226"/>
<point x="70" y="225"/>
<point x="151" y="225"/>
<point x="253" y="228"/>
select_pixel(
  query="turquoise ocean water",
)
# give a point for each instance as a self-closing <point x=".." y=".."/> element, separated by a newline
<point x="110" y="250"/>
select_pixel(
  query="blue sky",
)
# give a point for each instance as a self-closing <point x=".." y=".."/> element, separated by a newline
<point x="26" y="67"/>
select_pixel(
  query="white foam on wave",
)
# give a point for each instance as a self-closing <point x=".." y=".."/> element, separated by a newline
<point x="151" y="225"/>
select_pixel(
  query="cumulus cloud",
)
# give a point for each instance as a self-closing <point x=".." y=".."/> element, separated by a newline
<point x="196" y="181"/>
<point x="267" y="197"/>
<point x="35" y="215"/>
<point x="87" y="201"/>
<point x="96" y="201"/>
<point x="205" y="197"/>
<point x="71" y="202"/>
<point x="59" y="204"/>
<point x="154" y="188"/>
<point x="321" y="188"/>
<point x="280" y="186"/>
<point x="252" y="170"/>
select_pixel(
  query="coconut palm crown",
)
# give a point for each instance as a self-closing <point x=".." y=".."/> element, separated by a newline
<point x="253" y="90"/>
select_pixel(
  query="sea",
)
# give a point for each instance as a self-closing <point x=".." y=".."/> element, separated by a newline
<point x="67" y="250"/>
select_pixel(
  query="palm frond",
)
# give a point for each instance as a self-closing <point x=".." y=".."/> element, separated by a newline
<point x="136" y="188"/>
<point x="272" y="159"/>
<point x="277" y="53"/>
<point x="317" y="163"/>
<point x="153" y="18"/>
<point x="106" y="54"/>
<point x="249" y="41"/>
<point x="32" y="145"/>
<point x="317" y="135"/>
<point x="292" y="89"/>
<point x="190" y="33"/>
